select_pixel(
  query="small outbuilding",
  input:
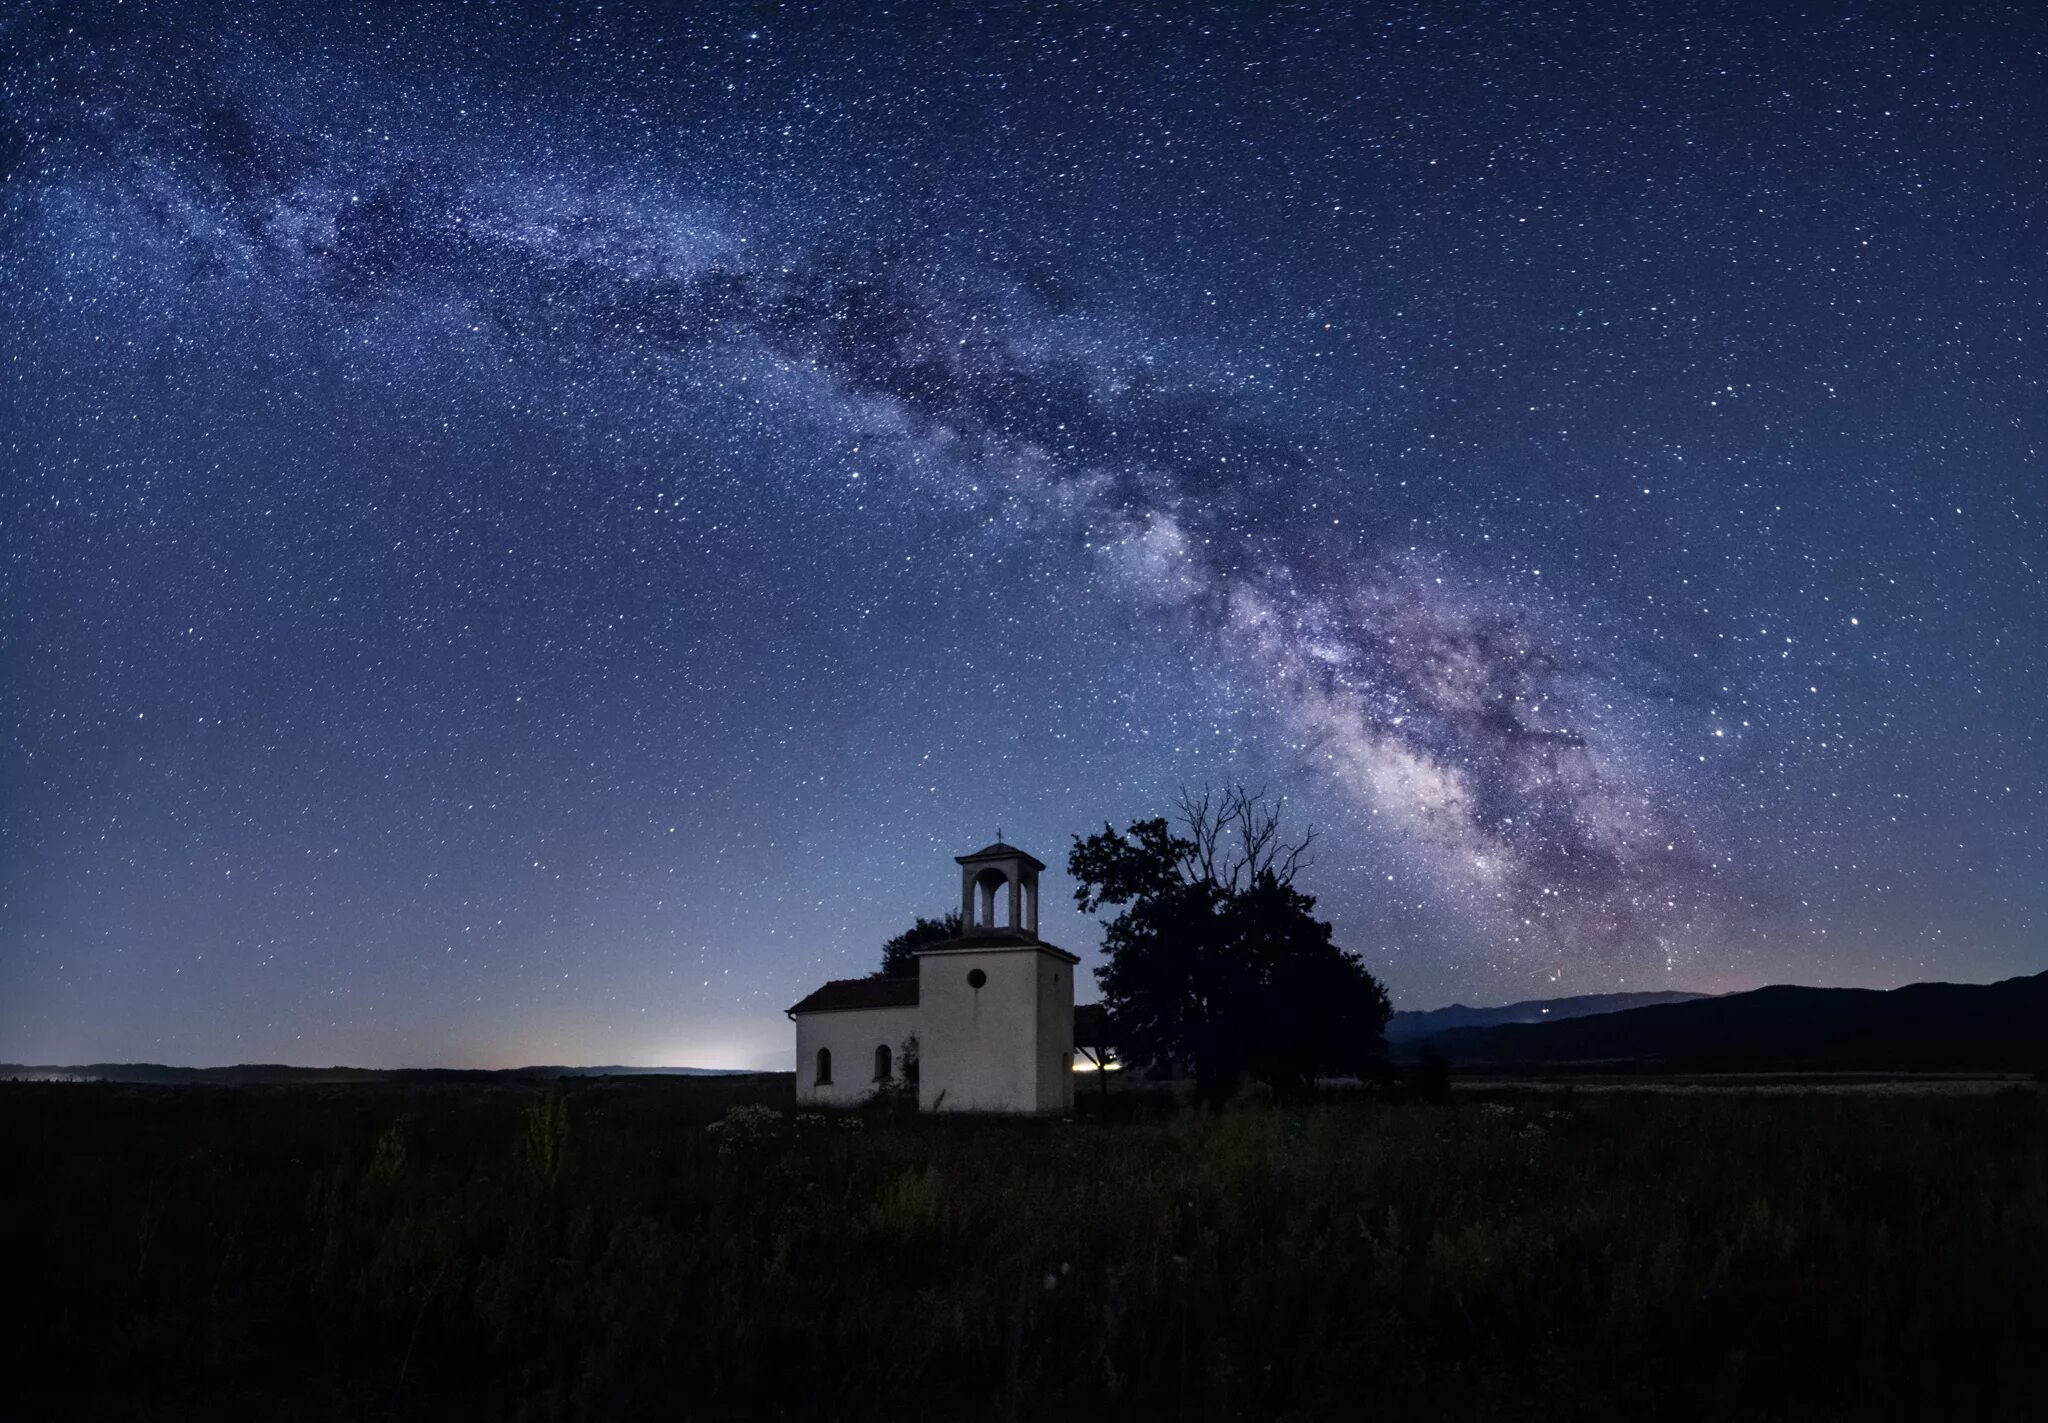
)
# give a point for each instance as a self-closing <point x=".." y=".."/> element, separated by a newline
<point x="985" y="1025"/>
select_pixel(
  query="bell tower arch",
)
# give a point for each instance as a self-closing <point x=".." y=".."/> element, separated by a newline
<point x="999" y="891"/>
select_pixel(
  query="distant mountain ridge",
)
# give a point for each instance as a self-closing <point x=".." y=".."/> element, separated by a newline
<point x="1413" y="1026"/>
<point x="273" y="1074"/>
<point x="1928" y="1027"/>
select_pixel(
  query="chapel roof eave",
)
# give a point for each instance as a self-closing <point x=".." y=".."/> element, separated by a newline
<point x="1093" y="1026"/>
<point x="983" y="940"/>
<point x="1000" y="851"/>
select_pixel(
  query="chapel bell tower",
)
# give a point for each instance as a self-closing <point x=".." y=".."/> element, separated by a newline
<point x="999" y="892"/>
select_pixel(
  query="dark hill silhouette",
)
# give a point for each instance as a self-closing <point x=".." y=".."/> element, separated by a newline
<point x="272" y="1074"/>
<point x="1924" y="1027"/>
<point x="1411" y="1027"/>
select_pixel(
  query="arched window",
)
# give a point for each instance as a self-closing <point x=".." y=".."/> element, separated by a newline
<point x="882" y="1063"/>
<point x="824" y="1067"/>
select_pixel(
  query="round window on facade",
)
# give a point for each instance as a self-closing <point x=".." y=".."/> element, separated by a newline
<point x="976" y="978"/>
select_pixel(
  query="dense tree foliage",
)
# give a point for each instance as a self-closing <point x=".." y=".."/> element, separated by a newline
<point x="1215" y="959"/>
<point x="899" y="955"/>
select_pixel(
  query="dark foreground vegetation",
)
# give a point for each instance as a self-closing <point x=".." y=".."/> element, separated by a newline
<point x="592" y="1249"/>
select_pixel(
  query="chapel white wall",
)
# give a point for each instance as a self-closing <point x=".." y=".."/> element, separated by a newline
<point x="852" y="1035"/>
<point x="985" y="1050"/>
<point x="1055" y="1035"/>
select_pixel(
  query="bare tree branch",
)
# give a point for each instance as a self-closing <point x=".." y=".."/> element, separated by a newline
<point x="1234" y="838"/>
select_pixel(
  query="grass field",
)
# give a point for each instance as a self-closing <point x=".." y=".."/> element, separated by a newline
<point x="599" y="1250"/>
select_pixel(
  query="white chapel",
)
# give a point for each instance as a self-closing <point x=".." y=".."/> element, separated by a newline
<point x="989" y="1015"/>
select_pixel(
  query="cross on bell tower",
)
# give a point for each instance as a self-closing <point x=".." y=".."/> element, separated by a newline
<point x="995" y="871"/>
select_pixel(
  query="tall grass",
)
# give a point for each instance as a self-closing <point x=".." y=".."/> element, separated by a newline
<point x="598" y="1249"/>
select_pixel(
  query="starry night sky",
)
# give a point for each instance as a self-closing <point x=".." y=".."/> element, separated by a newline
<point x="533" y="535"/>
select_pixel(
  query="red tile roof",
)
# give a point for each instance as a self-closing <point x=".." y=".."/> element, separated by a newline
<point x="875" y="992"/>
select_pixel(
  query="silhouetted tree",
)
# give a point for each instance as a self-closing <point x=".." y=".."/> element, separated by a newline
<point x="1215" y="959"/>
<point x="899" y="955"/>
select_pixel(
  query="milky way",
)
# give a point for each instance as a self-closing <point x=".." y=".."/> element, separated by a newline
<point x="1533" y="564"/>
